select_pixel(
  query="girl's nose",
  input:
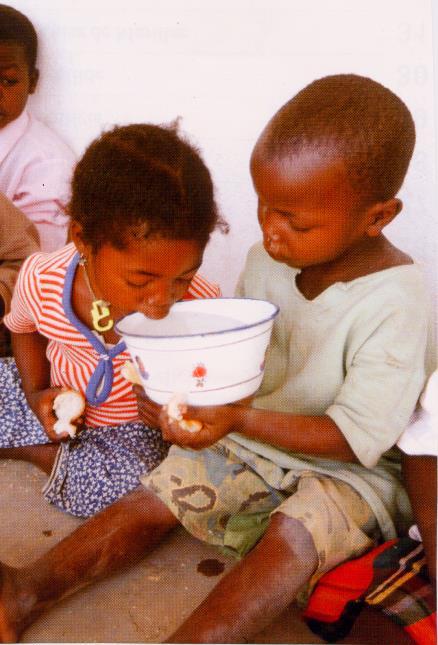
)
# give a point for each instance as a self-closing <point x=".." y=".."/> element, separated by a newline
<point x="157" y="302"/>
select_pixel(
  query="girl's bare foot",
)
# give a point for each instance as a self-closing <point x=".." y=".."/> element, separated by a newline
<point x="14" y="606"/>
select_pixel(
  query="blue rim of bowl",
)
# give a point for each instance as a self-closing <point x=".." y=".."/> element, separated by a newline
<point x="207" y="333"/>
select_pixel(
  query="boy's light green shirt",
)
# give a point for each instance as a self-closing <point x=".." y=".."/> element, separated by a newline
<point x="355" y="353"/>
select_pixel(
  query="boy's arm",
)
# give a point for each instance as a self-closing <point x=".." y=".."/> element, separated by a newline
<point x="18" y="240"/>
<point x="316" y="435"/>
<point x="43" y="198"/>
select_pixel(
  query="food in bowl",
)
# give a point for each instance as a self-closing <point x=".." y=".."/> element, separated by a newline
<point x="211" y="350"/>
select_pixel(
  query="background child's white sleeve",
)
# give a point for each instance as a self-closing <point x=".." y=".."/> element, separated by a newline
<point x="421" y="435"/>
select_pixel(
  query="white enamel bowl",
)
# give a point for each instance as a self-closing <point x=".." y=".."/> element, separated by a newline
<point x="210" y="350"/>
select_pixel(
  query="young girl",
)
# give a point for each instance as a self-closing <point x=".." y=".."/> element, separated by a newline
<point x="142" y="212"/>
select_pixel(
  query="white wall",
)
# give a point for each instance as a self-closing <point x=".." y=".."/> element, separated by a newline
<point x="226" y="67"/>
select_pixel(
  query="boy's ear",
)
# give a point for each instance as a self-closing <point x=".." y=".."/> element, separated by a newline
<point x="381" y="214"/>
<point x="33" y="79"/>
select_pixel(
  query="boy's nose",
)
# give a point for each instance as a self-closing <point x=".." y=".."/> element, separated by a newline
<point x="270" y="224"/>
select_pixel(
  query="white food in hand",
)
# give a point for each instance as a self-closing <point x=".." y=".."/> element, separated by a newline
<point x="130" y="373"/>
<point x="175" y="408"/>
<point x="68" y="407"/>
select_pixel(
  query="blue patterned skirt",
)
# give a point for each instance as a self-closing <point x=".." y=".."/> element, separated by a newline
<point x="92" y="470"/>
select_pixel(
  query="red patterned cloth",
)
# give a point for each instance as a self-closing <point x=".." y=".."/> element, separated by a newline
<point x="391" y="578"/>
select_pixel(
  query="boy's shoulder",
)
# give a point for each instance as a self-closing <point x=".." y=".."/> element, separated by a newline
<point x="45" y="142"/>
<point x="27" y="140"/>
<point x="399" y="282"/>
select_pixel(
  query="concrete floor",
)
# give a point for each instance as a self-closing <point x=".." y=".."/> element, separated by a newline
<point x="142" y="605"/>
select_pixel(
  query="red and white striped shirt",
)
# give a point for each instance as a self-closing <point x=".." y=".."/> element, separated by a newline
<point x="37" y="306"/>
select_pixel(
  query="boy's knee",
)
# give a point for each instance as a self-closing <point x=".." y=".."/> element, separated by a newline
<point x="292" y="534"/>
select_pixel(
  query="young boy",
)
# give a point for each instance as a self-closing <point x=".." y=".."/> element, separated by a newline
<point x="18" y="239"/>
<point x="305" y="475"/>
<point x="35" y="165"/>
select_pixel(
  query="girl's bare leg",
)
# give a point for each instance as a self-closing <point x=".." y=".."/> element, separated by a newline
<point x="42" y="456"/>
<point x="257" y="590"/>
<point x="113" y="539"/>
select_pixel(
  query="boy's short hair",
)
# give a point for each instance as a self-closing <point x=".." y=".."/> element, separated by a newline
<point x="15" y="27"/>
<point x="364" y="121"/>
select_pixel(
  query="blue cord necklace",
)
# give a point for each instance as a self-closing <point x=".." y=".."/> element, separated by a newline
<point x="101" y="382"/>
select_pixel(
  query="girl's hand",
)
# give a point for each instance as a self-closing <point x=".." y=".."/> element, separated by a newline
<point x="148" y="411"/>
<point x="217" y="421"/>
<point x="41" y="403"/>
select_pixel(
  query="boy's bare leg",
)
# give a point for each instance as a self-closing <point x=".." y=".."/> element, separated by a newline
<point x="115" y="538"/>
<point x="42" y="456"/>
<point x="420" y="478"/>
<point x="257" y="590"/>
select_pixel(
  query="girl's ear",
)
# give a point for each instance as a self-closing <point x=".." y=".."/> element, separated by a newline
<point x="381" y="214"/>
<point x="75" y="235"/>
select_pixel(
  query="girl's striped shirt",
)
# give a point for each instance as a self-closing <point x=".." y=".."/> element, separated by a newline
<point x="37" y="306"/>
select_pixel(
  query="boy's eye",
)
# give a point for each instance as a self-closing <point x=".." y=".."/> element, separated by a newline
<point x="8" y="82"/>
<point x="300" y="229"/>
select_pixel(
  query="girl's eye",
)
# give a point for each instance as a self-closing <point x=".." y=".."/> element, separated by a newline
<point x="137" y="286"/>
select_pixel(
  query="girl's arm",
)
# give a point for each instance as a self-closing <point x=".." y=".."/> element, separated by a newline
<point x="30" y="357"/>
<point x="314" y="435"/>
<point x="34" y="368"/>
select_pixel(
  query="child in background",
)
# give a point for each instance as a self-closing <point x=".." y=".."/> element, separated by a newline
<point x="392" y="580"/>
<point x="18" y="239"/>
<point x="419" y="444"/>
<point x="142" y="211"/>
<point x="35" y="165"/>
<point x="305" y="477"/>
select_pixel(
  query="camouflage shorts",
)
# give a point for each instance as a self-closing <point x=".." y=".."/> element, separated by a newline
<point x="221" y="500"/>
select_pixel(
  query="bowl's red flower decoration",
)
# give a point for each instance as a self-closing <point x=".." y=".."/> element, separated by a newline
<point x="200" y="371"/>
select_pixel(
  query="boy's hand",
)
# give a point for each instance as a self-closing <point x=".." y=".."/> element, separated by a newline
<point x="41" y="403"/>
<point x="217" y="421"/>
<point x="148" y="411"/>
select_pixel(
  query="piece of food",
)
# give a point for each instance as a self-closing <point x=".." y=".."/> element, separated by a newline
<point x="175" y="409"/>
<point x="68" y="407"/>
<point x="130" y="373"/>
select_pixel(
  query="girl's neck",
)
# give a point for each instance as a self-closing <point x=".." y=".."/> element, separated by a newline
<point x="370" y="256"/>
<point x="82" y="299"/>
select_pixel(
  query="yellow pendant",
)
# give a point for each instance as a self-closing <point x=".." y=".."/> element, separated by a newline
<point x="99" y="310"/>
